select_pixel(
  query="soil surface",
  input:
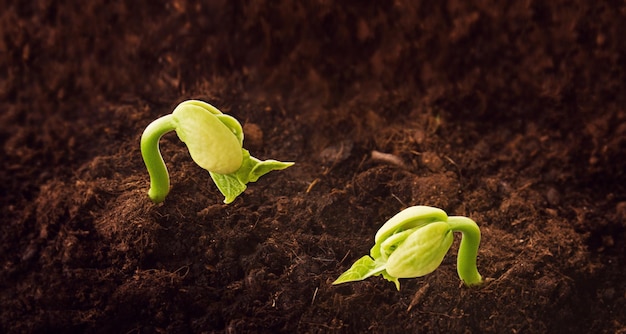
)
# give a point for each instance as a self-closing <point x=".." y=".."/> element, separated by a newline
<point x="512" y="114"/>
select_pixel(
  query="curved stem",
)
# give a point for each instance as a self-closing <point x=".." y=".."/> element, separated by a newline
<point x="159" y="178"/>
<point x="468" y="250"/>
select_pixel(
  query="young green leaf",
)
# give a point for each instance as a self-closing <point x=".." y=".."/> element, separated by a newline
<point x="360" y="270"/>
<point x="263" y="167"/>
<point x="233" y="184"/>
<point x="229" y="185"/>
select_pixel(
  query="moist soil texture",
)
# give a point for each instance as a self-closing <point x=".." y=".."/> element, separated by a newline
<point x="510" y="113"/>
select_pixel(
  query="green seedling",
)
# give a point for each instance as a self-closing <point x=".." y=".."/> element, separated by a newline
<point x="215" y="143"/>
<point x="414" y="242"/>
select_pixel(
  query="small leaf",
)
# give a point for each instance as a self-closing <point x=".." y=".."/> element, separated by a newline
<point x="360" y="270"/>
<point x="264" y="167"/>
<point x="233" y="184"/>
<point x="229" y="185"/>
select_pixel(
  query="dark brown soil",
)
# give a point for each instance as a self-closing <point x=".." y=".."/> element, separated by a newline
<point x="511" y="114"/>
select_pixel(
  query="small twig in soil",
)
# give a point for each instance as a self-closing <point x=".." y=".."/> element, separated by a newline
<point x="314" y="295"/>
<point x="418" y="296"/>
<point x="388" y="158"/>
<point x="311" y="185"/>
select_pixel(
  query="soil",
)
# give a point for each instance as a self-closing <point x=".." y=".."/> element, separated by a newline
<point x="511" y="113"/>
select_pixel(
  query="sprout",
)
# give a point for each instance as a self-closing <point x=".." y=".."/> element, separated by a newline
<point x="215" y="143"/>
<point x="414" y="242"/>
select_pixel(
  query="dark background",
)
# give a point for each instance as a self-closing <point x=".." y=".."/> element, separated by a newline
<point x="510" y="113"/>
